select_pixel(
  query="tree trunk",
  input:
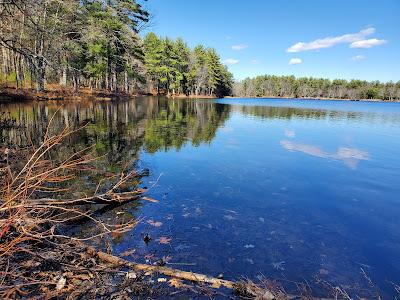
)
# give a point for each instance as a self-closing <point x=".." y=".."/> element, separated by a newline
<point x="107" y="84"/>
<point x="114" y="79"/>
<point x="126" y="85"/>
<point x="76" y="83"/>
<point x="63" y="78"/>
<point x="31" y="68"/>
<point x="40" y="74"/>
<point x="41" y="71"/>
<point x="4" y="65"/>
<point x="16" y="71"/>
<point x="108" y="73"/>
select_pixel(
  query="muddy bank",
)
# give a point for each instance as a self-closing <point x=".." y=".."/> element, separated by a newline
<point x="11" y="94"/>
<point x="56" y="93"/>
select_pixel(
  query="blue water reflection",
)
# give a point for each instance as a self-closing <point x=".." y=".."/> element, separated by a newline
<point x="287" y="195"/>
<point x="293" y="190"/>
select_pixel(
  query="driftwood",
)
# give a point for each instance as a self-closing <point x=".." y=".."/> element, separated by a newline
<point x="121" y="199"/>
<point x="190" y="276"/>
<point x="263" y="294"/>
<point x="49" y="98"/>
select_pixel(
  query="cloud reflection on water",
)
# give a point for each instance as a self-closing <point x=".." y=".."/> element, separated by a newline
<point x="290" y="133"/>
<point x="349" y="156"/>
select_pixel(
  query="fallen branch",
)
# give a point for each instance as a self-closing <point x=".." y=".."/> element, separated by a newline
<point x="194" y="277"/>
<point x="94" y="200"/>
<point x="251" y="289"/>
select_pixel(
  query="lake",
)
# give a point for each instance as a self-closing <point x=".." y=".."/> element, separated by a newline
<point x="290" y="189"/>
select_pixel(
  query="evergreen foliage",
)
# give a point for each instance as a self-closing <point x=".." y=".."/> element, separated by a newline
<point x="308" y="87"/>
<point x="174" y="68"/>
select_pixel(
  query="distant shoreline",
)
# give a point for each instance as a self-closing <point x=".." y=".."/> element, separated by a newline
<point x="314" y="99"/>
<point x="180" y="96"/>
<point x="190" y="97"/>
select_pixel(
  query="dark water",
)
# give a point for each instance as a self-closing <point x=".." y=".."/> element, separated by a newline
<point x="293" y="190"/>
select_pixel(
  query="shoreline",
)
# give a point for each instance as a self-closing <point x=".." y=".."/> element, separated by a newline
<point x="57" y="93"/>
<point x="10" y="94"/>
<point x="315" y="99"/>
<point x="179" y="96"/>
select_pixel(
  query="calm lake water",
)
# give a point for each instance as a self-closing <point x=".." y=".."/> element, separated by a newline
<point x="293" y="190"/>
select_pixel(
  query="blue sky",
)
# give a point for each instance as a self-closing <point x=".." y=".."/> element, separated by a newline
<point x="333" y="39"/>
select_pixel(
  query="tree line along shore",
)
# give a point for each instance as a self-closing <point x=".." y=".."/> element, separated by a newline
<point x="97" y="45"/>
<point x="316" y="88"/>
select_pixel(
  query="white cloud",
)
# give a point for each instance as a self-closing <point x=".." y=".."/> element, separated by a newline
<point x="358" y="57"/>
<point x="365" y="44"/>
<point x="239" y="47"/>
<point x="331" y="41"/>
<point x="255" y="61"/>
<point x="228" y="37"/>
<point x="295" y="61"/>
<point x="231" y="61"/>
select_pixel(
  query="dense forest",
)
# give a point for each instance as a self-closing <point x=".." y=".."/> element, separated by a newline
<point x="173" y="67"/>
<point x="308" y="87"/>
<point x="96" y="44"/>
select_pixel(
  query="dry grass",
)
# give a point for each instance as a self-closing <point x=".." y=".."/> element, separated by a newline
<point x="36" y="257"/>
<point x="266" y="290"/>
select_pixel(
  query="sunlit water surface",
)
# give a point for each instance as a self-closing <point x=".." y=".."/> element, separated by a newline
<point x="293" y="190"/>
